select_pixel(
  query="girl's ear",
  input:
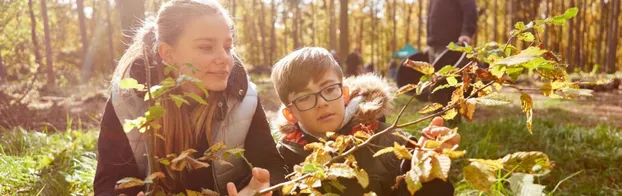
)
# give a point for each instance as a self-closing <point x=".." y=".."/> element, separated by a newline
<point x="287" y="113"/>
<point x="165" y="50"/>
<point x="346" y="95"/>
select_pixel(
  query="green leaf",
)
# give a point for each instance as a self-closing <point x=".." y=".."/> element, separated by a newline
<point x="516" y="59"/>
<point x="514" y="72"/>
<point x="237" y="152"/>
<point x="196" y="98"/>
<point x="202" y="87"/>
<point x="363" y="178"/>
<point x="452" y="81"/>
<point x="498" y="70"/>
<point x="178" y="100"/>
<point x="154" y="112"/>
<point x="445" y="70"/>
<point x="130" y="83"/>
<point x="191" y="67"/>
<point x="165" y="162"/>
<point x="338" y="185"/>
<point x="571" y="13"/>
<point x="168" y="69"/>
<point x="526" y="36"/>
<point x="168" y="82"/>
<point x="184" y="77"/>
<point x="128" y="125"/>
<point x="533" y="162"/>
<point x="311" y="168"/>
<point x="520" y="26"/>
<point x="479" y="175"/>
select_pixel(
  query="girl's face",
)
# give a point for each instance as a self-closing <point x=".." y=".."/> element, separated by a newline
<point x="206" y="43"/>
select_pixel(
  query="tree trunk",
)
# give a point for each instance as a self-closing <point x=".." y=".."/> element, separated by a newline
<point x="578" y="37"/>
<point x="295" y="24"/>
<point x="495" y="12"/>
<point x="408" y="17"/>
<point x="262" y="32"/>
<point x="570" y="43"/>
<point x="131" y="13"/>
<point x="272" y="32"/>
<point x="372" y="34"/>
<point x="82" y="21"/>
<point x="285" y="29"/>
<point x="612" y="43"/>
<point x="547" y="13"/>
<point x="420" y="26"/>
<point x="48" y="46"/>
<point x="33" y="36"/>
<point x="332" y="30"/>
<point x="344" y="43"/>
<point x="601" y="31"/>
<point x="394" y="20"/>
<point x="110" y="33"/>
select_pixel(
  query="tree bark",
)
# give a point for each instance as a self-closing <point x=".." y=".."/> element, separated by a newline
<point x="110" y="34"/>
<point x="570" y="42"/>
<point x="33" y="36"/>
<point x="420" y="26"/>
<point x="51" y="80"/>
<point x="408" y="21"/>
<point x="394" y="20"/>
<point x="601" y="32"/>
<point x="332" y="30"/>
<point x="262" y="31"/>
<point x="272" y="33"/>
<point x="495" y="12"/>
<point x="612" y="43"/>
<point x="344" y="43"/>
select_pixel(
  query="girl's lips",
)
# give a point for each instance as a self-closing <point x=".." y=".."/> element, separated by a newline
<point x="218" y="73"/>
<point x="325" y="116"/>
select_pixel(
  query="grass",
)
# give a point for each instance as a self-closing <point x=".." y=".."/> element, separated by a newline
<point x="570" y="141"/>
<point x="36" y="163"/>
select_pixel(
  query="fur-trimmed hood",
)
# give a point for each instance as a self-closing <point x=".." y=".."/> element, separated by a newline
<point x="371" y="97"/>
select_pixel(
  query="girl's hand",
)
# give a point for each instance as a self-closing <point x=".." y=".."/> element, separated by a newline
<point x="260" y="180"/>
<point x="435" y="130"/>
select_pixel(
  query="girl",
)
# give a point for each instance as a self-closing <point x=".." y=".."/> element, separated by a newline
<point x="199" y="33"/>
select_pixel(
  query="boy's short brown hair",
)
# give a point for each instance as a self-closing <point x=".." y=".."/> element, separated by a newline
<point x="296" y="70"/>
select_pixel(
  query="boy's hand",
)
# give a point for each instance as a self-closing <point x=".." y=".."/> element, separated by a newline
<point x="260" y="180"/>
<point x="435" y="130"/>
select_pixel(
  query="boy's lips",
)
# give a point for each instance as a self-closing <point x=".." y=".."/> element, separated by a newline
<point x="325" y="116"/>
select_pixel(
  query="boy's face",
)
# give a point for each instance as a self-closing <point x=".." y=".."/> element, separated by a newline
<point x="326" y="115"/>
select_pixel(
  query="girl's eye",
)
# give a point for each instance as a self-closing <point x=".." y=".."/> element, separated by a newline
<point x="206" y="48"/>
<point x="228" y="48"/>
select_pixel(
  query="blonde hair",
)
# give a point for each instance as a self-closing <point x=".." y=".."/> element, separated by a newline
<point x="296" y="70"/>
<point x="179" y="128"/>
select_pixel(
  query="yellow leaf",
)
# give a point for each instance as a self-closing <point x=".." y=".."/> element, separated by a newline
<point x="288" y="188"/>
<point x="479" y="175"/>
<point x="444" y="164"/>
<point x="217" y="147"/>
<point x="383" y="151"/>
<point x="533" y="162"/>
<point x="466" y="81"/>
<point x="128" y="182"/>
<point x="457" y="96"/>
<point x="208" y="192"/>
<point x="130" y="83"/>
<point x="431" y="144"/>
<point x="155" y="175"/>
<point x="362" y="134"/>
<point x="430" y="108"/>
<point x="527" y="106"/>
<point x="405" y="89"/>
<point x="454" y="154"/>
<point x="450" y="114"/>
<point x="362" y="178"/>
<point x="493" y="164"/>
<point x="370" y="194"/>
<point x="193" y="193"/>
<point x="467" y="108"/>
<point x="340" y="170"/>
<point x="401" y="152"/>
<point x="314" y="145"/>
<point x="179" y="163"/>
<point x="413" y="183"/>
<point x="424" y="67"/>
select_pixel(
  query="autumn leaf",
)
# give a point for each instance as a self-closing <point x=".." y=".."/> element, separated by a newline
<point x="430" y="108"/>
<point x="454" y="154"/>
<point x="341" y="170"/>
<point x="420" y="66"/>
<point x="533" y="162"/>
<point x="479" y="175"/>
<point x="193" y="193"/>
<point x="522" y="185"/>
<point x="196" y="98"/>
<point x="450" y="114"/>
<point x="383" y="151"/>
<point x="179" y="100"/>
<point x="441" y="164"/>
<point x="527" y="106"/>
<point x="413" y="183"/>
<point x="154" y="176"/>
<point x="208" y="192"/>
<point x="289" y="188"/>
<point x="128" y="182"/>
<point x="467" y="109"/>
<point x="195" y="164"/>
<point x="216" y="147"/>
<point x="405" y="89"/>
<point x="494" y="164"/>
<point x="489" y="101"/>
<point x="363" y="178"/>
<point x="401" y="152"/>
<point x="179" y="163"/>
<point x="457" y="96"/>
<point x="432" y="144"/>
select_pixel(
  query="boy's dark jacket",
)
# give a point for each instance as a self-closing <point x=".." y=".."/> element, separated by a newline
<point x="371" y="98"/>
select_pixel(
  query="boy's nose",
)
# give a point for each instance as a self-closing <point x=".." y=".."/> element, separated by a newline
<point x="321" y="102"/>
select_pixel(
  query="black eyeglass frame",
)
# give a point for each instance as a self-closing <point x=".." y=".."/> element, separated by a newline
<point x="315" y="95"/>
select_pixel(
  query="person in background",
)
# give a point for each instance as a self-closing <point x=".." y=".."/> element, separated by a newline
<point x="354" y="63"/>
<point x="450" y="21"/>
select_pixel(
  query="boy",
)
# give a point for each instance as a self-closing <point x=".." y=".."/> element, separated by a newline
<point x="317" y="100"/>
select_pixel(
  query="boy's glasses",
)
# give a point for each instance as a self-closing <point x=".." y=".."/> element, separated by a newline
<point x="307" y="102"/>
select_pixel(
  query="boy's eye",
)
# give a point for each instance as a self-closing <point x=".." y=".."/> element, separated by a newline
<point x="330" y="89"/>
<point x="304" y="98"/>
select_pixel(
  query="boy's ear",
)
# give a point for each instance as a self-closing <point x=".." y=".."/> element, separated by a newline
<point x="287" y="113"/>
<point x="346" y="95"/>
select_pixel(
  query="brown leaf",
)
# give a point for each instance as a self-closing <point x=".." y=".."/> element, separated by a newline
<point x="179" y="163"/>
<point x="405" y="89"/>
<point x="154" y="176"/>
<point x="424" y="67"/>
<point x="466" y="81"/>
<point x="484" y="75"/>
<point x="467" y="108"/>
<point x="208" y="192"/>
<point x="527" y="106"/>
<point x="430" y="108"/>
<point x="457" y="96"/>
<point x="289" y="188"/>
<point x="128" y="182"/>
<point x="195" y="164"/>
<point x="533" y="162"/>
